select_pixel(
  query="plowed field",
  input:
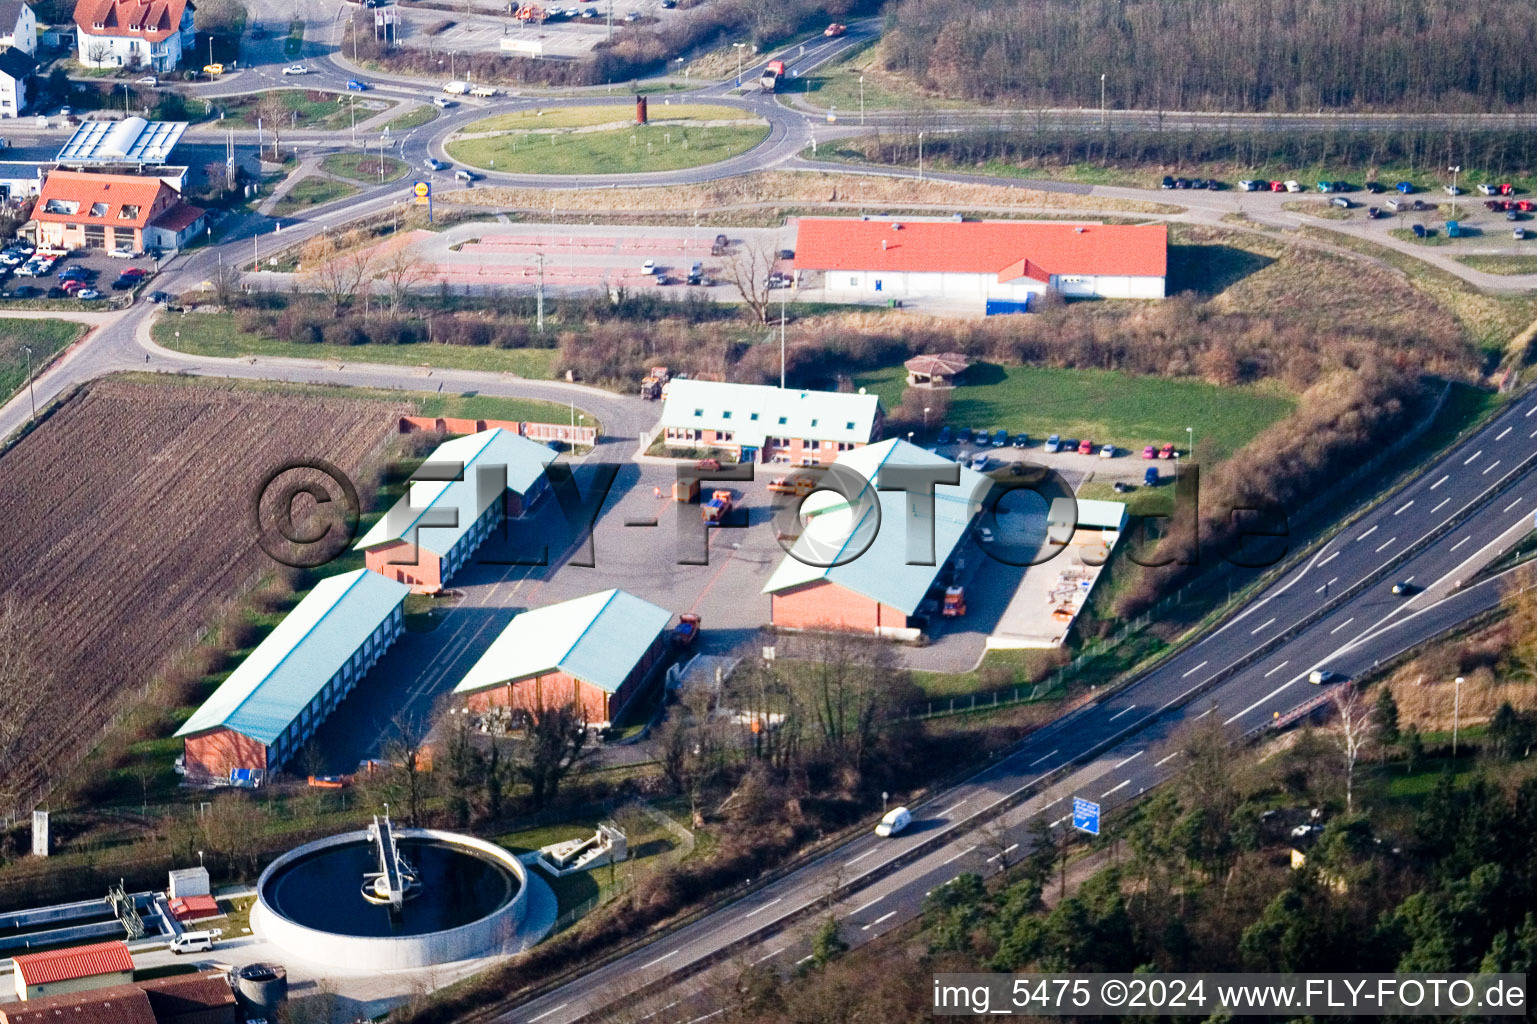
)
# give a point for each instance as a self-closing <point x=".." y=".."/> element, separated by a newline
<point x="128" y="529"/>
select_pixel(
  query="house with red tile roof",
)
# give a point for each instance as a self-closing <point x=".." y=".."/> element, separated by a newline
<point x="81" y="209"/>
<point x="150" y="34"/>
<point x="972" y="262"/>
<point x="74" y="969"/>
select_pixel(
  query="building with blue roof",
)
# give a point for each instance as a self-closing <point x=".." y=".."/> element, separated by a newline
<point x="595" y="653"/>
<point x="273" y="702"/>
<point x="430" y="534"/>
<point x="876" y="585"/>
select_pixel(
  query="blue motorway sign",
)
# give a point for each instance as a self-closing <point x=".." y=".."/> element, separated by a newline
<point x="1086" y="815"/>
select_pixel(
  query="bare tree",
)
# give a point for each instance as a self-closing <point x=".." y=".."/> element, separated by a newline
<point x="273" y="112"/>
<point x="226" y="282"/>
<point x="1355" y="734"/>
<point x="232" y="826"/>
<point x="997" y="840"/>
<point x="336" y="274"/>
<point x="555" y="744"/>
<point x="410" y="765"/>
<point x="748" y="271"/>
<point x="98" y="52"/>
<point x="400" y="271"/>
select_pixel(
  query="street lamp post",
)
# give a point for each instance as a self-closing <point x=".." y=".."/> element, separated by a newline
<point x="1456" y="711"/>
<point x="920" y="156"/>
<point x="861" y="99"/>
<point x="30" y="392"/>
<point x="740" y="47"/>
<point x="1103" y="113"/>
<point x="1455" y="169"/>
<point x="925" y="421"/>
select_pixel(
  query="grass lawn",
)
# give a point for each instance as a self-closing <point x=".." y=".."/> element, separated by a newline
<point x="1433" y="236"/>
<point x="295" y="41"/>
<point x="837" y="84"/>
<point x="217" y="334"/>
<point x="45" y="337"/>
<point x="657" y="146"/>
<point x="412" y="118"/>
<point x="362" y="168"/>
<point x="615" y="113"/>
<point x="1106" y="406"/>
<point x="311" y="191"/>
<point x="1139" y="500"/>
<point x="1320" y="208"/>
<point x="1491" y="264"/>
<point x="325" y="110"/>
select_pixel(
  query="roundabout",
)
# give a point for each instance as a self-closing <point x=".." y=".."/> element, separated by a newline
<point x="604" y="139"/>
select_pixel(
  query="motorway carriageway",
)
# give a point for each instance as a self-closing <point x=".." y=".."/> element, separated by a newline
<point x="1334" y="610"/>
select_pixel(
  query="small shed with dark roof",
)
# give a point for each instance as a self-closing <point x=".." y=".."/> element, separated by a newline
<point x="945" y="370"/>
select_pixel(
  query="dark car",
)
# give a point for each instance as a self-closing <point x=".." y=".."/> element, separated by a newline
<point x="1181" y="182"/>
<point x="1213" y="184"/>
<point x="159" y="297"/>
<point x="1419" y="231"/>
<point x="1197" y="182"/>
<point x="26" y="291"/>
<point x="1150" y="477"/>
<point x="1021" y="440"/>
<point x="964" y="437"/>
<point x="1000" y="438"/>
<point x="1374" y="187"/>
<point x="122" y="284"/>
<point x="1512" y="215"/>
<point x="787" y="254"/>
<point x="57" y="293"/>
<point x="1168" y="181"/>
<point x="944" y="436"/>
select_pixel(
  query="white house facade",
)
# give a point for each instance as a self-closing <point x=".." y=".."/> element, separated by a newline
<point x="18" y="26"/>
<point x="150" y="34"/>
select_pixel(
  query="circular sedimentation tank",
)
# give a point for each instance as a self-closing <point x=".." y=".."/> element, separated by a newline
<point x="324" y="902"/>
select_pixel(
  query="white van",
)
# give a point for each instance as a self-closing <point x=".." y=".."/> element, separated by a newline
<point x="194" y="942"/>
<point x="456" y="88"/>
<point x="895" y="821"/>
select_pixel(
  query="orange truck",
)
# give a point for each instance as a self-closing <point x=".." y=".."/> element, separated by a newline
<point x="800" y="486"/>
<point x="716" y="508"/>
<point x="772" y="73"/>
<point x="955" y="603"/>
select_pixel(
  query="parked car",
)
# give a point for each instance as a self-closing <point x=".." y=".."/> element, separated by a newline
<point x="1150" y="476"/>
<point x="1086" y="447"/>
<point x="1021" y="440"/>
<point x="57" y="293"/>
<point x="296" y="69"/>
<point x="88" y="294"/>
<point x="1419" y="230"/>
<point x="1488" y="190"/>
<point x="1168" y="181"/>
<point x="1000" y="438"/>
<point x="1249" y="185"/>
<point x="1395" y="205"/>
<point x="1372" y="213"/>
<point x="1150" y="452"/>
<point x="122" y="284"/>
<point x="1278" y="186"/>
<point x="1512" y="215"/>
<point x="213" y="70"/>
<point x="1054" y="443"/>
<point x="1213" y="184"/>
<point x="353" y="85"/>
<point x="1374" y="187"/>
<point x="123" y="253"/>
<point x="148" y="81"/>
<point x="26" y="291"/>
<point x="134" y="272"/>
<point x="1197" y="182"/>
<point x="964" y="437"/>
<point x="1293" y="186"/>
<point x="1167" y="452"/>
<point x="944" y="436"/>
<point x="648" y="268"/>
<point x="72" y="284"/>
<point x="1518" y="234"/>
<point x="1451" y="190"/>
<point x="1326" y="186"/>
<point x="1341" y="202"/>
<point x="1404" y="187"/>
<point x="1107" y="452"/>
<point x="1181" y="182"/>
<point x="787" y="254"/>
<point x="979" y="461"/>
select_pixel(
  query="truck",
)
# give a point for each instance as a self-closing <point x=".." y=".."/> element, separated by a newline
<point x="772" y="73"/>
<point x="714" y="510"/>
<point x="685" y="490"/>
<point x="483" y="91"/>
<point x="955" y="602"/>
<point x="800" y="486"/>
<point x="687" y="629"/>
<point x="456" y="88"/>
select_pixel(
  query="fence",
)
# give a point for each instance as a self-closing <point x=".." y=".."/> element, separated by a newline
<point x="533" y="431"/>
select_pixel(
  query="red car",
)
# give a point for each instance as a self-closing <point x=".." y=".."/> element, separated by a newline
<point x="1150" y="452"/>
<point x="1085" y="447"/>
<point x="1507" y="189"/>
<point x="1524" y="205"/>
<point x="71" y="284"/>
<point x="1166" y="452"/>
<point x="134" y="272"/>
<point x="1278" y="186"/>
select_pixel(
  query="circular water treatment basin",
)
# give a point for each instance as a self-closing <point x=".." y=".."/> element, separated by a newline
<point x="463" y="897"/>
<point x="324" y="890"/>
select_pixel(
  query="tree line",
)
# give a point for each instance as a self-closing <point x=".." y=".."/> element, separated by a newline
<point x="1252" y="55"/>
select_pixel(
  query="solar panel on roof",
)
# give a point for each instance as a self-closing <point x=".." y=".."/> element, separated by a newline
<point x="131" y="140"/>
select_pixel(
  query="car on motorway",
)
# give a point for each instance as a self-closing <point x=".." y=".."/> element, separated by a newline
<point x="1403" y="588"/>
<point x="353" y="85"/>
<point x="1320" y="676"/>
<point x="944" y="436"/>
<point x="1053" y="443"/>
<point x="894" y="821"/>
<point x="1107" y="451"/>
<point x="296" y="69"/>
<point x="432" y="163"/>
<point x="1404" y="187"/>
<point x="1000" y="438"/>
<point x="979" y="461"/>
<point x="1086" y="447"/>
<point x="1150" y="476"/>
<point x="1021" y="440"/>
<point x="834" y="30"/>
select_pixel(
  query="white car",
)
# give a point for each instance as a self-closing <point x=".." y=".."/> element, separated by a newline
<point x="895" y="821"/>
<point x="648" y="267"/>
<point x="1248" y="185"/>
<point x="123" y="254"/>
<point x="1488" y="190"/>
<point x="979" y="461"/>
<point x="1107" y="452"/>
<point x="984" y="535"/>
<point x="1293" y="186"/>
<point x="149" y="80"/>
<point x="442" y="102"/>
<point x="296" y="69"/>
<point x="1451" y="190"/>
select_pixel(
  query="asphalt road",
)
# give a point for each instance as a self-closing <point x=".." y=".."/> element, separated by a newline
<point x="1333" y="611"/>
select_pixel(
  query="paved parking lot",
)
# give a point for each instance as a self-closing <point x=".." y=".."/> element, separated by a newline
<point x="482" y="28"/>
<point x="101" y="272"/>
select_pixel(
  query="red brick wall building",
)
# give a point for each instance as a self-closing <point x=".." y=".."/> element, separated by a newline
<point x="216" y="752"/>
<point x="559" y="689"/>
<point x="825" y="605"/>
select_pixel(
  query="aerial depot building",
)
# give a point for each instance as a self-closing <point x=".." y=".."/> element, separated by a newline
<point x="877" y="591"/>
<point x="594" y="652"/>
<point x="759" y="423"/>
<point x="78" y="209"/>
<point x="75" y="969"/>
<point x="270" y="705"/>
<point x="200" y="998"/>
<point x="501" y="475"/>
<point x="150" y="34"/>
<point x="973" y="262"/>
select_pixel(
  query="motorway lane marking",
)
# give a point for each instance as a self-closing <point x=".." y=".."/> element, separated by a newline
<point x="873" y="902"/>
<point x="1385" y="543"/>
<point x="1342" y="625"/>
<point x="1438" y="507"/>
<point x="1159" y="764"/>
<point x="1326" y="586"/>
<point x="1501" y="434"/>
<point x="1277" y="668"/>
<point x="1057" y="822"/>
<point x="771" y="903"/>
<point x="1208" y="711"/>
<point x="1470" y="458"/>
<point x="1194" y="670"/>
<point x="1367" y="534"/>
<point x="658" y="960"/>
<point x="1512" y="505"/>
<point x="803" y="959"/>
<point x="1461" y="542"/>
<point x="1130" y="759"/>
<point x="862" y="856"/>
<point x="1496" y="462"/>
<point x="1112" y="789"/>
<point x="707" y="1016"/>
<point x="770" y="956"/>
<point x="1262" y="625"/>
<point x="1263" y="700"/>
<point x="953" y="807"/>
<point x="958" y="856"/>
<point x="664" y="1009"/>
<point x="994" y="857"/>
<point x="1326" y="561"/>
<point x="1404" y="507"/>
<point x="1439" y="482"/>
<point x="1123" y="711"/>
<point x="1032" y="764"/>
<point x="1531" y="435"/>
<point x="546" y="1013"/>
<point x="1530" y="411"/>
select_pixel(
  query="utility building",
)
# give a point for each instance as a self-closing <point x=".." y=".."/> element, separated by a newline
<point x="975" y="262"/>
<point x="595" y="652"/>
<point x="75" y="969"/>
<point x="758" y="423"/>
<point x="273" y="702"/>
<point x="878" y="590"/>
<point x="430" y="534"/>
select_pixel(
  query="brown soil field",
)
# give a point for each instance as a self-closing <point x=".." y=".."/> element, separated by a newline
<point x="130" y="530"/>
